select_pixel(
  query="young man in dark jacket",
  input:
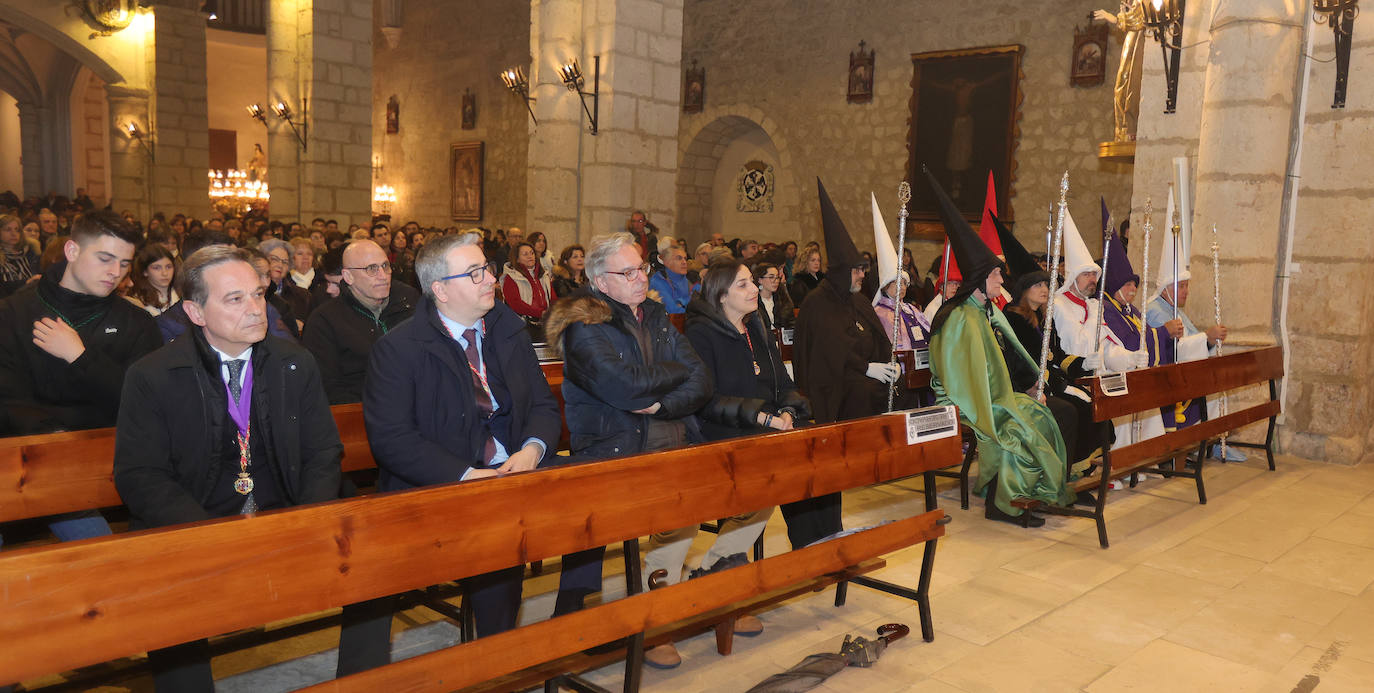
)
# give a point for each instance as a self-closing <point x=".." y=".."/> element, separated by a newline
<point x="457" y="393"/>
<point x="66" y="340"/>
<point x="631" y="381"/>
<point x="224" y="421"/>
<point x="341" y="332"/>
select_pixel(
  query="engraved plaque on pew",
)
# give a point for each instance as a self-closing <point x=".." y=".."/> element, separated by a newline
<point x="785" y="334"/>
<point x="921" y="357"/>
<point x="931" y="423"/>
<point x="1113" y="384"/>
<point x="544" y="352"/>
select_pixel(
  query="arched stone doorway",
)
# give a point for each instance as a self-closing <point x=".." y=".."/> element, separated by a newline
<point x="712" y="158"/>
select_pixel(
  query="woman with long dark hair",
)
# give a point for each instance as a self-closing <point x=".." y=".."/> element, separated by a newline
<point x="525" y="286"/>
<point x="154" y="276"/>
<point x="570" y="274"/>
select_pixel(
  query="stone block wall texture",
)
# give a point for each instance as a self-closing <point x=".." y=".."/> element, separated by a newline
<point x="321" y="51"/>
<point x="95" y="175"/>
<point x="784" y="68"/>
<point x="179" y="126"/>
<point x="1238" y="116"/>
<point x="445" y="48"/>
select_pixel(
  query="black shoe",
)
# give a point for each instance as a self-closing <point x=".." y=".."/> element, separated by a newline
<point x="725" y="563"/>
<point x="1026" y="519"/>
<point x="1085" y="498"/>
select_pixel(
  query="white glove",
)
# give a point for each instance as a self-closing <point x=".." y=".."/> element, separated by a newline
<point x="883" y="372"/>
<point x="1142" y="359"/>
<point x="1093" y="362"/>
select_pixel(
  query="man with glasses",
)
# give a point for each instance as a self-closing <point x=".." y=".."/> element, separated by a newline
<point x="341" y="332"/>
<point x="631" y="384"/>
<point x="645" y="235"/>
<point x="457" y="393"/>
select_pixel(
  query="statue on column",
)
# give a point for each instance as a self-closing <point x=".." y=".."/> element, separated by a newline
<point x="1131" y="20"/>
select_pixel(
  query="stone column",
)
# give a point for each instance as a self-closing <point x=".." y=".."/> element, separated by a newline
<point x="632" y="162"/>
<point x="31" y="147"/>
<point x="1247" y="127"/>
<point x="180" y="123"/>
<point x="130" y="166"/>
<point x="319" y="63"/>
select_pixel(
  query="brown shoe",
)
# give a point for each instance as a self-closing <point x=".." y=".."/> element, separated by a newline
<point x="748" y="625"/>
<point x="663" y="657"/>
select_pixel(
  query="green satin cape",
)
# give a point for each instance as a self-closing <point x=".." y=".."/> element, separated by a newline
<point x="1018" y="440"/>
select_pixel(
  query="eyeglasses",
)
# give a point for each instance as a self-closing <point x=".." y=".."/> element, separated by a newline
<point x="477" y="274"/>
<point x="633" y="273"/>
<point x="373" y="270"/>
<point x="277" y="260"/>
<point x="770" y="277"/>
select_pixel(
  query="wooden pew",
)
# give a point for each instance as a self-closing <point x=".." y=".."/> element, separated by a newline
<point x="1152" y="388"/>
<point x="917" y="377"/>
<point x="80" y="603"/>
<point x="56" y="473"/>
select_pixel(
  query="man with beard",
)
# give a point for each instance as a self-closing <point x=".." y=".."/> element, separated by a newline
<point x="841" y="357"/>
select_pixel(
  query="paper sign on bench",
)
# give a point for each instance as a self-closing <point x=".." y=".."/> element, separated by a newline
<point x="931" y="423"/>
<point x="922" y="357"/>
<point x="1113" y="384"/>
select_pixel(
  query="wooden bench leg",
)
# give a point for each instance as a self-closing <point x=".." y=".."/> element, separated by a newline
<point x="725" y="636"/>
<point x="1201" y="489"/>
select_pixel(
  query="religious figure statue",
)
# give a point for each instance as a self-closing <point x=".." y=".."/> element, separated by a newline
<point x="257" y="166"/>
<point x="1131" y="20"/>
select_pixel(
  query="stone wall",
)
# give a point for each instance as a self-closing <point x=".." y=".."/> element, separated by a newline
<point x="179" y="126"/>
<point x="89" y="135"/>
<point x="445" y="48"/>
<point x="1331" y="314"/>
<point x="786" y="71"/>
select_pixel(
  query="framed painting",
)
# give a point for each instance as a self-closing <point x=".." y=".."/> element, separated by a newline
<point x="465" y="163"/>
<point x="694" y="89"/>
<point x="965" y="121"/>
<point x="861" y="75"/>
<point x="1088" y="67"/>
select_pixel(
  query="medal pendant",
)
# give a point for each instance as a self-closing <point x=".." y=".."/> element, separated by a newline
<point x="243" y="484"/>
<point x="757" y="370"/>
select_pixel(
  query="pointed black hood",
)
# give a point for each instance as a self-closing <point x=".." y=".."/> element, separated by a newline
<point x="976" y="260"/>
<point x="1019" y="260"/>
<point x="839" y="246"/>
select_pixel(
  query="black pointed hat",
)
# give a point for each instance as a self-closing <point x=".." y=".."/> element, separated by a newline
<point x="976" y="260"/>
<point x="1019" y="260"/>
<point x="839" y="246"/>
<point x="1119" y="269"/>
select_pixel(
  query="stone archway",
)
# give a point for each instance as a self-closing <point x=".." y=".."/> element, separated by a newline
<point x="702" y="145"/>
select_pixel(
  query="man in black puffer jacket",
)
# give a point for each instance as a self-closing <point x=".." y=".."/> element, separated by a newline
<point x="631" y="381"/>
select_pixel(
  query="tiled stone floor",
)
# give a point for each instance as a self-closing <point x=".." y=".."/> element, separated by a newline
<point x="1265" y="588"/>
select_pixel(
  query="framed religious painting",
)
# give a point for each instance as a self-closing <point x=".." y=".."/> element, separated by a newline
<point x="469" y="110"/>
<point x="694" y="89"/>
<point x="1088" y="66"/>
<point x="965" y="121"/>
<point x="465" y="163"/>
<point x="861" y="75"/>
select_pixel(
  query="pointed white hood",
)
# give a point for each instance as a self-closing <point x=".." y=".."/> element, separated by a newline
<point x="1173" y="247"/>
<point x="1077" y="260"/>
<point x="888" y="261"/>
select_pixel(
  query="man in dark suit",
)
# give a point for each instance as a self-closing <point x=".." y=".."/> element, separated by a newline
<point x="456" y="393"/>
<point x="224" y="421"/>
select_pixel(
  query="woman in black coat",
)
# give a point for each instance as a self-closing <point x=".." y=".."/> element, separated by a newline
<point x="753" y="391"/>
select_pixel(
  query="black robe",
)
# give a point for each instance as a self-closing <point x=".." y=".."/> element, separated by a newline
<point x="837" y="336"/>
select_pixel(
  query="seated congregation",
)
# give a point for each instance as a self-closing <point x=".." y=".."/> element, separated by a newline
<point x="216" y="350"/>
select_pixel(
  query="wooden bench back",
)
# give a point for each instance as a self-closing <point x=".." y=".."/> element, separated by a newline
<point x="79" y="603"/>
<point x="65" y="472"/>
<point x="1152" y="388"/>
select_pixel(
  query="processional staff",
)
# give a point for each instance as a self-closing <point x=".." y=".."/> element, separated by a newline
<point x="1054" y="285"/>
<point x="903" y="196"/>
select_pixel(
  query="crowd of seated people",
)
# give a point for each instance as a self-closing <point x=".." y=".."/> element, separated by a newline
<point x="401" y="317"/>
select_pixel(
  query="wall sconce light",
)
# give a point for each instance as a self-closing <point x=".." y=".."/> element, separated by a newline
<point x="1340" y="14"/>
<point x="284" y="112"/>
<point x="256" y="113"/>
<point x="384" y="196"/>
<point x="515" y="81"/>
<point x="132" y="131"/>
<point x="572" y="79"/>
<point x="1165" y="18"/>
